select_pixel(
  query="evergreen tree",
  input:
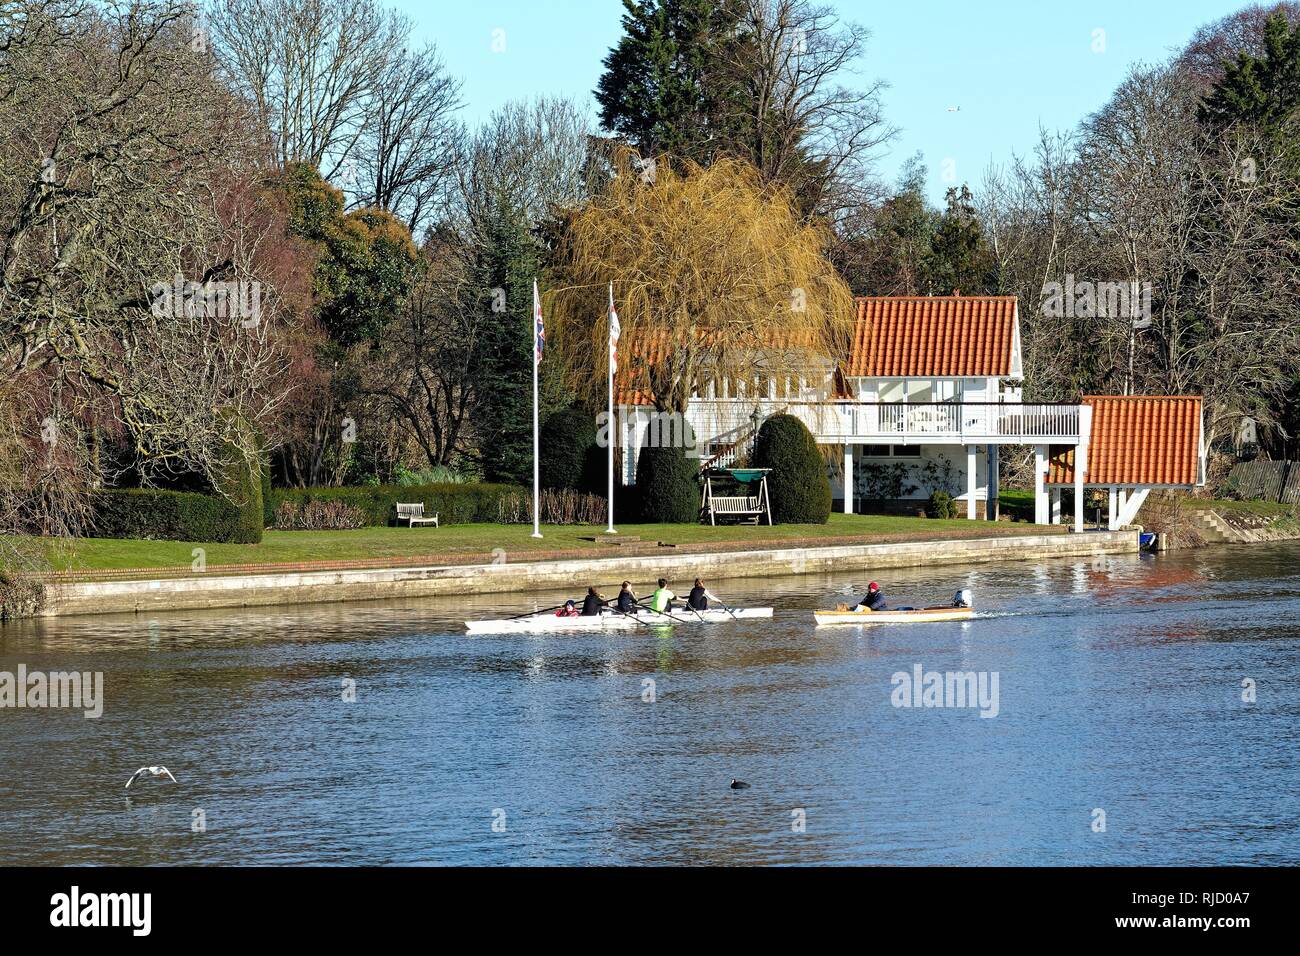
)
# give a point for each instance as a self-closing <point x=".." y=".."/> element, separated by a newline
<point x="958" y="257"/>
<point x="661" y="87"/>
<point x="508" y="260"/>
<point x="1262" y="91"/>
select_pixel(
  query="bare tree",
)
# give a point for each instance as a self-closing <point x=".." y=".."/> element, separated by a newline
<point x="313" y="70"/>
<point x="807" y="122"/>
<point x="410" y="143"/>
<point x="123" y="165"/>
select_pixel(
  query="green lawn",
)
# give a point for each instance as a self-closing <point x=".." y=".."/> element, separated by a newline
<point x="461" y="542"/>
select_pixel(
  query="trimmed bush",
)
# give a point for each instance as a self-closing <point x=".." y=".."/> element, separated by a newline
<point x="152" y="515"/>
<point x="940" y="505"/>
<point x="570" y="457"/>
<point x="667" y="486"/>
<point x="798" y="485"/>
<point x="462" y="503"/>
<point x="239" y="479"/>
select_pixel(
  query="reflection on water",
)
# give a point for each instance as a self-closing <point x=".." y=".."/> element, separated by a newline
<point x="1120" y="689"/>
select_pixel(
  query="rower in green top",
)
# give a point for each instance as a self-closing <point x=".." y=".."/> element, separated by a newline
<point x="662" y="599"/>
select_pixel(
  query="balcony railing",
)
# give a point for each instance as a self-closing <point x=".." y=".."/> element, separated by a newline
<point x="901" y="423"/>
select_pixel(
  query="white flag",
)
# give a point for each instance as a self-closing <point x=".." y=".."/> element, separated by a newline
<point x="614" y="331"/>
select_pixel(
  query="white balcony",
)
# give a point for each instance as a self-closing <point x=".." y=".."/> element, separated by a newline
<point x="944" y="423"/>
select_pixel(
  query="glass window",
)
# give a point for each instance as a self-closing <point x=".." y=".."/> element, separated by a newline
<point x="890" y="390"/>
<point x="875" y="451"/>
<point x="907" y="451"/>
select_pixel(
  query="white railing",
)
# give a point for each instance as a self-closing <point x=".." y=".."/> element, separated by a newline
<point x="899" y="423"/>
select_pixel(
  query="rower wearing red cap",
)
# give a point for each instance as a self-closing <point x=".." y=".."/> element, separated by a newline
<point x="875" y="599"/>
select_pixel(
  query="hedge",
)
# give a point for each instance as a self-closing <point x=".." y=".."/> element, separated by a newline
<point x="154" y="515"/>
<point x="570" y="457"/>
<point x="798" y="485"/>
<point x="667" y="486"/>
<point x="455" y="503"/>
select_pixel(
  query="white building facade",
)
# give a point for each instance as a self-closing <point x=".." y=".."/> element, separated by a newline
<point x="929" y="394"/>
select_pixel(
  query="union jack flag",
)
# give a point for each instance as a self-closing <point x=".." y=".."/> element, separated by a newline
<point x="539" y="327"/>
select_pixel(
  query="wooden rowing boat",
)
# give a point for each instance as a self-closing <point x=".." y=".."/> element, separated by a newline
<point x="910" y="616"/>
<point x="614" y="621"/>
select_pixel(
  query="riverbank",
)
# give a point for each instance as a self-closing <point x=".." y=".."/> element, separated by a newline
<point x="213" y="589"/>
<point x="94" y="558"/>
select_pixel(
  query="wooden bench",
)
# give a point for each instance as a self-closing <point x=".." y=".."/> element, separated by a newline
<point x="743" y="506"/>
<point x="414" y="514"/>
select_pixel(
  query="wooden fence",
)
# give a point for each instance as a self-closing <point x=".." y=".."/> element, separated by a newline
<point x="1266" y="480"/>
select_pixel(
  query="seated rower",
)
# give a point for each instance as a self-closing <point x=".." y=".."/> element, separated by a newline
<point x="570" y="609"/>
<point x="875" y="599"/>
<point x="592" y="603"/>
<point x="626" y="599"/>
<point x="698" y="600"/>
<point x="662" y="599"/>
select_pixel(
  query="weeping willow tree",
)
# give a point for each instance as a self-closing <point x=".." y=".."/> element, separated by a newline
<point x="716" y="278"/>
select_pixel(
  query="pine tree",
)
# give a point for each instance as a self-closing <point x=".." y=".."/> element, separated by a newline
<point x="508" y="260"/>
<point x="1262" y="91"/>
<point x="661" y="88"/>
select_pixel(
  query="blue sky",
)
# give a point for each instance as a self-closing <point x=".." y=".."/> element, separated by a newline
<point x="1010" y="65"/>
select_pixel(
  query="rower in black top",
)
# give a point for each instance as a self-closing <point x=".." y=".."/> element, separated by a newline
<point x="626" y="599"/>
<point x="698" y="600"/>
<point x="592" y="603"/>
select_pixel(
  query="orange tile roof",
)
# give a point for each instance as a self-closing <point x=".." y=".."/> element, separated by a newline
<point x="1137" y="440"/>
<point x="933" y="335"/>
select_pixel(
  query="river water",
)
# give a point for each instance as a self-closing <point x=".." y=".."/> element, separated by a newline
<point x="1119" y="733"/>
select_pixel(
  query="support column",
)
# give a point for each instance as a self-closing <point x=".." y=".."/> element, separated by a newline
<point x="1054" y="497"/>
<point x="1112" y="510"/>
<point x="991" y="504"/>
<point x="1081" y="463"/>
<point x="972" y="480"/>
<point x="848" y="479"/>
<point x="1040" y="495"/>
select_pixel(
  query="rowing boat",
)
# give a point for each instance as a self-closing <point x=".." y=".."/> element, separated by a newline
<point x="614" y="621"/>
<point x="908" y="616"/>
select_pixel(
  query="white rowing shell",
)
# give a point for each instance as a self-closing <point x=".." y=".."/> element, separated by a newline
<point x="917" y="616"/>
<point x="615" y="621"/>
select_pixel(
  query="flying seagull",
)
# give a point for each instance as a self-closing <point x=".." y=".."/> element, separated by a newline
<point x="152" y="771"/>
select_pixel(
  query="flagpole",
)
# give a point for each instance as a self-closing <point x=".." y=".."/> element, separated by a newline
<point x="537" y="475"/>
<point x="611" y="429"/>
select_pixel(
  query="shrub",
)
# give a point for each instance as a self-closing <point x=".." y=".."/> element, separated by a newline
<point x="570" y="457"/>
<point x="20" y="596"/>
<point x="668" y="486"/>
<point x="559" y="506"/>
<point x="455" y="503"/>
<point x="437" y="475"/>
<point x="940" y="505"/>
<point x="798" y="485"/>
<point x="153" y="515"/>
<point x="318" y="516"/>
<point x="239" y="479"/>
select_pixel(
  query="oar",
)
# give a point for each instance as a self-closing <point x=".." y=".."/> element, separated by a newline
<point x="728" y="610"/>
<point x="617" y="610"/>
<point x="531" y="613"/>
<point x="664" y="613"/>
